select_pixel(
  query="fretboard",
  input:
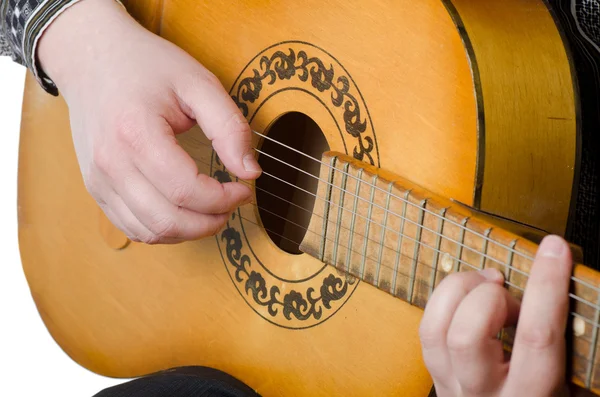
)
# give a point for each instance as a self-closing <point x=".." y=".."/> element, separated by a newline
<point x="404" y="240"/>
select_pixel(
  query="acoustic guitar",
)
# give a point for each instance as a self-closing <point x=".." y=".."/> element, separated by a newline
<point x="401" y="141"/>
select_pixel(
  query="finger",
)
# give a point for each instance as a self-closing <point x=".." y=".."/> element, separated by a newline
<point x="173" y="172"/>
<point x="116" y="221"/>
<point x="114" y="209"/>
<point x="539" y="346"/>
<point x="476" y="354"/>
<point x="436" y="321"/>
<point x="122" y="217"/>
<point x="165" y="221"/>
<point x="222" y="122"/>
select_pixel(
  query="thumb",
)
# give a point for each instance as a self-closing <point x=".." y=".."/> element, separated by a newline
<point x="222" y="123"/>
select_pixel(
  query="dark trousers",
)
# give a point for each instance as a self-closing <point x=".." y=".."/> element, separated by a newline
<point x="182" y="382"/>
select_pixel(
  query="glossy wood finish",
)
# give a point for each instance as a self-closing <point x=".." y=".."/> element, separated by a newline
<point x="404" y="240"/>
<point x="148" y="13"/>
<point x="529" y="158"/>
<point x="128" y="312"/>
<point x="427" y="57"/>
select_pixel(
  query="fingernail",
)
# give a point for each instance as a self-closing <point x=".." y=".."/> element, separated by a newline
<point x="552" y="247"/>
<point x="250" y="163"/>
<point x="491" y="274"/>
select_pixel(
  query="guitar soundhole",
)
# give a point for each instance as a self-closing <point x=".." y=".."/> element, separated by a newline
<point x="285" y="209"/>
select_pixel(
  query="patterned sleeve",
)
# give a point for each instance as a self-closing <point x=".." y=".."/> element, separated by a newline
<point x="587" y="17"/>
<point x="22" y="23"/>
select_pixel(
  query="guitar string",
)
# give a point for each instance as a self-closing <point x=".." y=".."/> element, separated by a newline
<point x="573" y="278"/>
<point x="459" y="244"/>
<point x="574" y="314"/>
<point x="419" y="280"/>
<point x="423" y="282"/>
<point x="402" y="199"/>
<point x="505" y="343"/>
<point x="382" y="243"/>
<point x="392" y="213"/>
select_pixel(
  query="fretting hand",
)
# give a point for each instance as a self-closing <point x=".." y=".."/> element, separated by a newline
<point x="466" y="312"/>
<point x="129" y="92"/>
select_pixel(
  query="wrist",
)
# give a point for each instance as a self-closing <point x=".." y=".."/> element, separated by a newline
<point x="80" y="37"/>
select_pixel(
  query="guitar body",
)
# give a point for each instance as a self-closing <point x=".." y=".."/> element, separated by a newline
<point x="472" y="100"/>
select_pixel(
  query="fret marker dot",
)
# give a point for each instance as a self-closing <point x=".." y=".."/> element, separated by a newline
<point x="447" y="262"/>
<point x="578" y="326"/>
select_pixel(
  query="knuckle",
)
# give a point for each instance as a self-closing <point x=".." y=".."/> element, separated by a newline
<point x="456" y="281"/>
<point x="93" y="185"/>
<point x="537" y="338"/>
<point x="216" y="228"/>
<point x="164" y="227"/>
<point x="475" y="386"/>
<point x="182" y="195"/>
<point x="129" y="130"/>
<point x="205" y="76"/>
<point x="223" y="205"/>
<point x="236" y="127"/>
<point x="93" y="189"/>
<point x="452" y="279"/>
<point x="460" y="341"/>
<point x="148" y="238"/>
<point x="430" y="335"/>
<point x="102" y="159"/>
<point x="199" y="79"/>
<point x="216" y="193"/>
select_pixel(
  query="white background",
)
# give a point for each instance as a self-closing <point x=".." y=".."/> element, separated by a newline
<point x="31" y="363"/>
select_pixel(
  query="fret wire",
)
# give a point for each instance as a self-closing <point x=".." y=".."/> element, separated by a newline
<point x="416" y="251"/>
<point x="508" y="269"/>
<point x="583" y="338"/>
<point x="383" y="230"/>
<point x="371" y="203"/>
<point x="571" y="295"/>
<point x="574" y="354"/>
<point x="595" y="288"/>
<point x="368" y="227"/>
<point x="399" y="247"/>
<point x="574" y="314"/>
<point x="593" y="347"/>
<point x="460" y="245"/>
<point x="421" y="281"/>
<point x="509" y="261"/>
<point x="451" y="221"/>
<point x="351" y="234"/>
<point x="321" y="162"/>
<point x="451" y="257"/>
<point x="485" y="248"/>
<point x="326" y="211"/>
<point x="403" y="219"/>
<point x="587" y="320"/>
<point x="438" y="246"/>
<point x="340" y="214"/>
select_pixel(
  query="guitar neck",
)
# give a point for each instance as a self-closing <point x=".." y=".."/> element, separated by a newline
<point x="380" y="228"/>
